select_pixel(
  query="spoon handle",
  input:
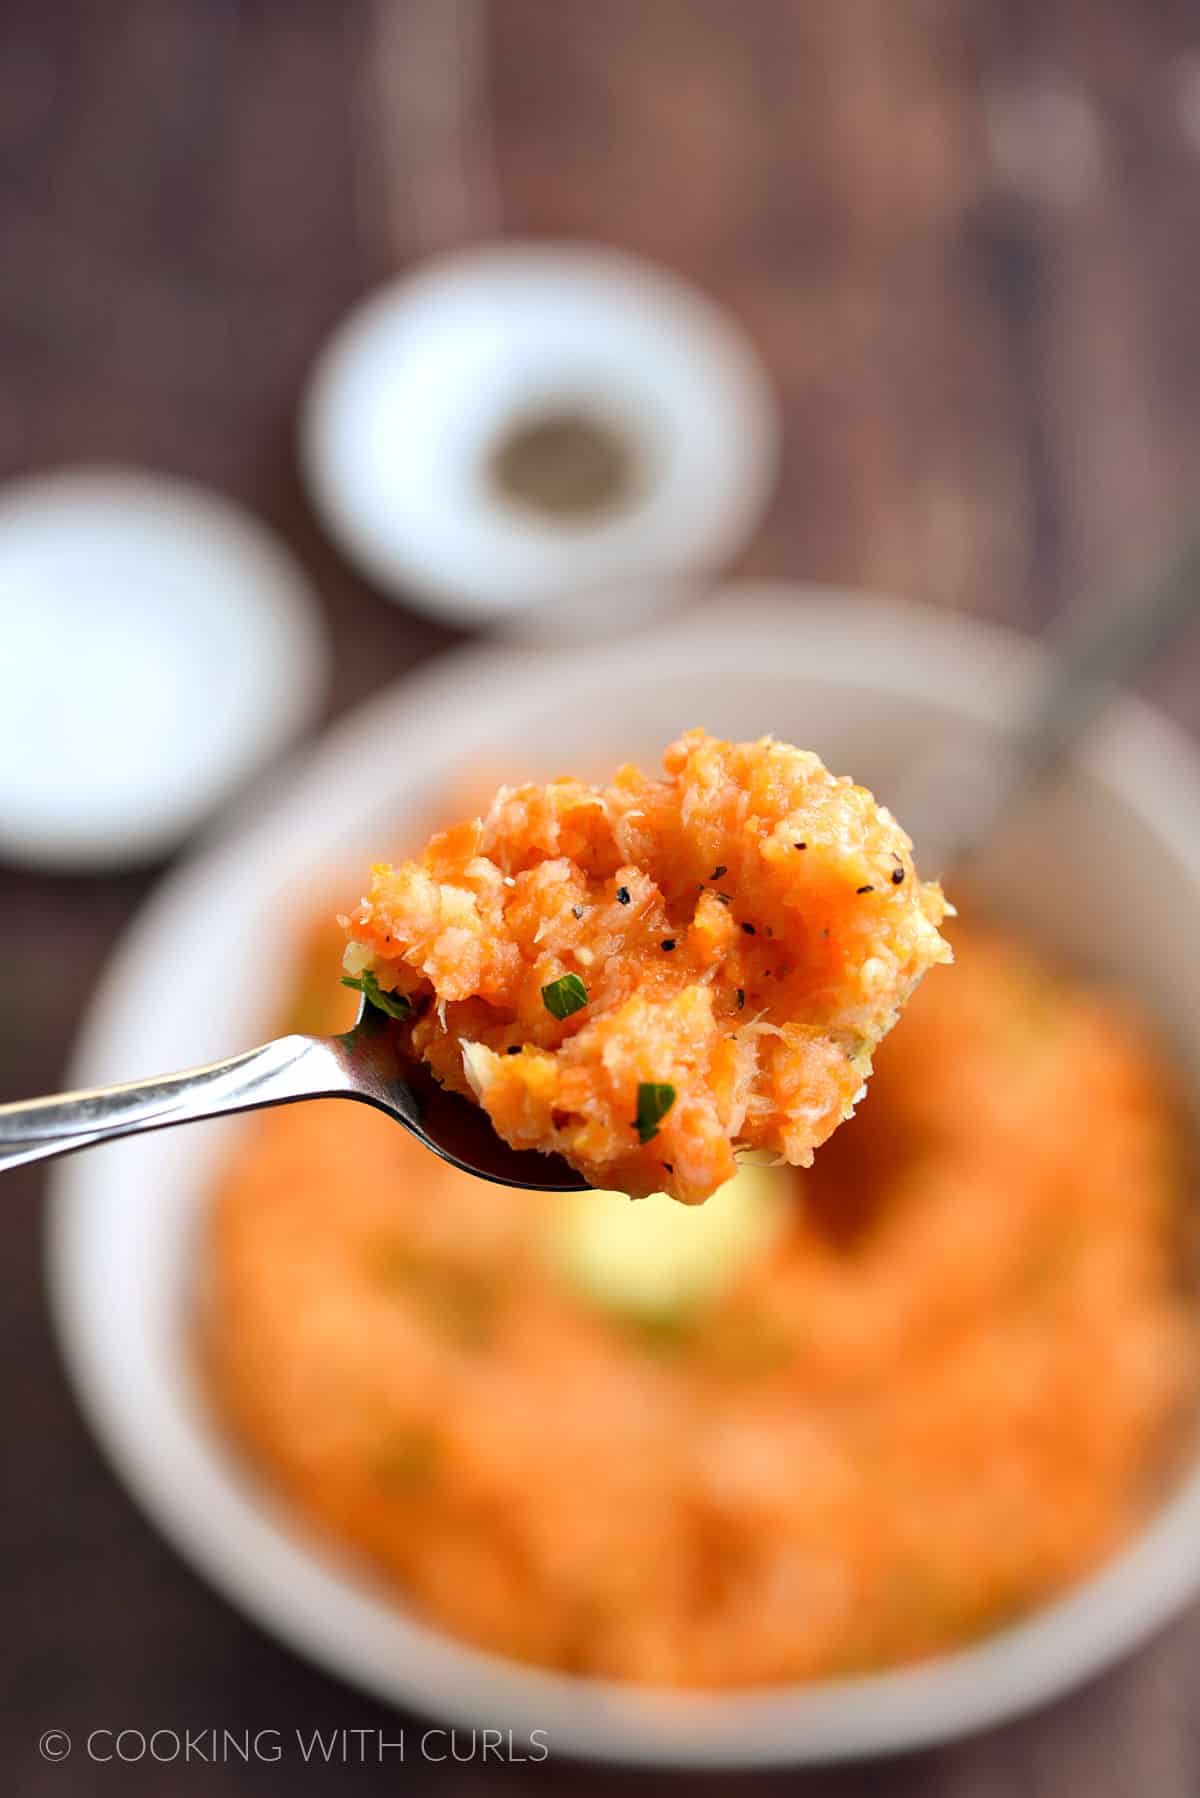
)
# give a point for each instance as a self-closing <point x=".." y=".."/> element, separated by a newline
<point x="1095" y="657"/>
<point x="957" y="794"/>
<point x="293" y="1067"/>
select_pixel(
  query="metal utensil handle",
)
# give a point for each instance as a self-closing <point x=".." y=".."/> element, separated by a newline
<point x="1094" y="658"/>
<point x="960" y="791"/>
<point x="293" y="1067"/>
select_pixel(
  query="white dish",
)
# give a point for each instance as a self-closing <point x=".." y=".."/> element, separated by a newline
<point x="419" y="385"/>
<point x="863" y="683"/>
<point x="157" y="647"/>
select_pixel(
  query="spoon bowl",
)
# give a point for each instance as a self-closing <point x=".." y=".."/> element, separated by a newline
<point x="445" y="1122"/>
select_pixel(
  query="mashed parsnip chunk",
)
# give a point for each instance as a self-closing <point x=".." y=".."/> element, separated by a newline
<point x="646" y="976"/>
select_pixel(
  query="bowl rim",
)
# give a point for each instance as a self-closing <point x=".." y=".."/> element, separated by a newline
<point x="297" y="1589"/>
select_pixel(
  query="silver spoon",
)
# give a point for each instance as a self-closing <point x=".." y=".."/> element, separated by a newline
<point x="955" y="797"/>
<point x="365" y="1064"/>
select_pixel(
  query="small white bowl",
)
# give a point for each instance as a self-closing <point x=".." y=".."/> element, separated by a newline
<point x="421" y="384"/>
<point x="157" y="647"/>
<point x="1107" y="866"/>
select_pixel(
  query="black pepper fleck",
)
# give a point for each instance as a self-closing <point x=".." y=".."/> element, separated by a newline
<point x="897" y="876"/>
<point x="725" y="898"/>
<point x="749" y="929"/>
<point x="741" y="997"/>
<point x="668" y="943"/>
<point x="670" y="1166"/>
<point x="864" y="889"/>
<point x="622" y="895"/>
<point x="577" y="911"/>
<point x="717" y="872"/>
<point x="513" y="1049"/>
<point x="799" y="845"/>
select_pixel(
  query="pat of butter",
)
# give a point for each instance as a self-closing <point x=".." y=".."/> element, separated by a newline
<point x="654" y="1258"/>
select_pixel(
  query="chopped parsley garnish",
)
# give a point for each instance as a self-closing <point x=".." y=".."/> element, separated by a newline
<point x="622" y="895"/>
<point x="565" y="995"/>
<point x="396" y="1005"/>
<point x="654" y="1099"/>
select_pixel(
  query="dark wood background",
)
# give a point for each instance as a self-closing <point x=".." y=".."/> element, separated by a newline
<point x="966" y="239"/>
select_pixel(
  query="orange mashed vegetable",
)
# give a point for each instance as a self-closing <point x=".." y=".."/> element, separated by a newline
<point x="730" y="943"/>
<point x="950" y="1388"/>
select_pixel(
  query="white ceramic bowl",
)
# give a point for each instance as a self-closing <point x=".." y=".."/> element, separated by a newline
<point x="424" y="379"/>
<point x="1107" y="867"/>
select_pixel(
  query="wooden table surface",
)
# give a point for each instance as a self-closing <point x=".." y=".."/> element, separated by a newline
<point x="966" y="239"/>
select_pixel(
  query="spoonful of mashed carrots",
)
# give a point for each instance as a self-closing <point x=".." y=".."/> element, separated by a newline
<point x="611" y="986"/>
<point x="644" y="977"/>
